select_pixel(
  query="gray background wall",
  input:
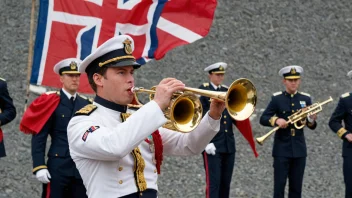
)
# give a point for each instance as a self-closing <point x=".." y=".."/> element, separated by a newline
<point x="256" y="38"/>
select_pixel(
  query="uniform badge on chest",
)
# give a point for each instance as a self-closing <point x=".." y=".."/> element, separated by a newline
<point x="303" y="103"/>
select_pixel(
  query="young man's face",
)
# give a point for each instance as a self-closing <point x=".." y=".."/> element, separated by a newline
<point x="292" y="85"/>
<point x="116" y="85"/>
<point x="216" y="78"/>
<point x="70" y="82"/>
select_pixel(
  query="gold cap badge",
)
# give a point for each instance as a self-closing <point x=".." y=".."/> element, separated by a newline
<point x="128" y="47"/>
<point x="73" y="65"/>
<point x="293" y="71"/>
<point x="221" y="68"/>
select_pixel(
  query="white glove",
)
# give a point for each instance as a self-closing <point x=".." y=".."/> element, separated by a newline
<point x="210" y="149"/>
<point x="43" y="176"/>
<point x="310" y="119"/>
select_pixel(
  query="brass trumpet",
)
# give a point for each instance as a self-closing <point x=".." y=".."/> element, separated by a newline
<point x="300" y="115"/>
<point x="184" y="113"/>
<point x="185" y="110"/>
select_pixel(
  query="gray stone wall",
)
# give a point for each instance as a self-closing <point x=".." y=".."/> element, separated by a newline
<point x="256" y="38"/>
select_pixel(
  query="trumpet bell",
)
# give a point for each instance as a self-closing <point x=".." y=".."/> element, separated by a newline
<point x="184" y="113"/>
<point x="241" y="99"/>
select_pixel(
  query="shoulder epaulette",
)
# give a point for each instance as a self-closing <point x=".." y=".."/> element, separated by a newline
<point x="2" y="79"/>
<point x="206" y="84"/>
<point x="225" y="86"/>
<point x="82" y="97"/>
<point x="86" y="110"/>
<point x="345" y="95"/>
<point x="306" y="94"/>
<point x="277" y="93"/>
<point x="52" y="92"/>
<point x="86" y="98"/>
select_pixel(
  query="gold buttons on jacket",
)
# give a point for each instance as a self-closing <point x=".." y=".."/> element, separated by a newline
<point x="225" y="130"/>
<point x="56" y="155"/>
<point x="293" y="104"/>
<point x="224" y="122"/>
<point x="224" y="116"/>
<point x="155" y="171"/>
<point x="293" y="111"/>
<point x="120" y="182"/>
<point x="120" y="168"/>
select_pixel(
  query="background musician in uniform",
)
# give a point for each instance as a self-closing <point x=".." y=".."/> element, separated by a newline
<point x="289" y="150"/>
<point x="53" y="111"/>
<point x="219" y="154"/>
<point x="343" y="112"/>
<point x="7" y="112"/>
<point x="119" y="157"/>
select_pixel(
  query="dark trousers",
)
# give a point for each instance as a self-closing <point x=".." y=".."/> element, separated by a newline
<point x="347" y="175"/>
<point x="64" y="187"/>
<point x="149" y="193"/>
<point x="2" y="149"/>
<point x="293" y="169"/>
<point x="218" y="172"/>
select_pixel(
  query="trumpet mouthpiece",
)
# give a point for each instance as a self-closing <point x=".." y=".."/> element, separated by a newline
<point x="134" y="89"/>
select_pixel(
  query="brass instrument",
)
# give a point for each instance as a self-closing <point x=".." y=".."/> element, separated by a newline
<point x="184" y="113"/>
<point x="185" y="110"/>
<point x="298" y="118"/>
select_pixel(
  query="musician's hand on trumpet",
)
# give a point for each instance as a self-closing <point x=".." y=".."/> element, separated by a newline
<point x="312" y="118"/>
<point x="165" y="90"/>
<point x="282" y="123"/>
<point x="216" y="109"/>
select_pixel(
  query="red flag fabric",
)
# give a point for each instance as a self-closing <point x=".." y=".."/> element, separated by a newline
<point x="246" y="129"/>
<point x="79" y="27"/>
<point x="38" y="113"/>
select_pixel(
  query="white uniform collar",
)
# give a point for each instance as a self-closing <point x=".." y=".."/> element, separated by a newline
<point x="69" y="95"/>
<point x="214" y="86"/>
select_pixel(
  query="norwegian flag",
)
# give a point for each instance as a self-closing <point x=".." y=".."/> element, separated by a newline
<point x="73" y="28"/>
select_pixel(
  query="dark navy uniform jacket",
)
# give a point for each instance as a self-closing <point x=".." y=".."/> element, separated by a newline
<point x="343" y="112"/>
<point x="59" y="156"/>
<point x="224" y="141"/>
<point x="288" y="142"/>
<point x="8" y="110"/>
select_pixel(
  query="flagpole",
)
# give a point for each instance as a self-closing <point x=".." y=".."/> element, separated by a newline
<point x="30" y="53"/>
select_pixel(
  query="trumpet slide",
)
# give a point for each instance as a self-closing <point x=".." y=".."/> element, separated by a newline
<point x="300" y="115"/>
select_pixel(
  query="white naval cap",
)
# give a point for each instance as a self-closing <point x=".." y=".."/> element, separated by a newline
<point x="115" y="52"/>
<point x="291" y="72"/>
<point x="349" y="74"/>
<point x="216" y="68"/>
<point x="67" y="66"/>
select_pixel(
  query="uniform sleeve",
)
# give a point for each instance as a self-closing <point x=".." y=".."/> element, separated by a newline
<point x="112" y="143"/>
<point x="183" y="144"/>
<point x="268" y="117"/>
<point x="335" y="122"/>
<point x="8" y="110"/>
<point x="311" y="125"/>
<point x="38" y="146"/>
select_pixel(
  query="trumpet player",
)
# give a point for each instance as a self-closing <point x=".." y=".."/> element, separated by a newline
<point x="289" y="150"/>
<point x="343" y="113"/>
<point x="119" y="157"/>
<point x="219" y="154"/>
